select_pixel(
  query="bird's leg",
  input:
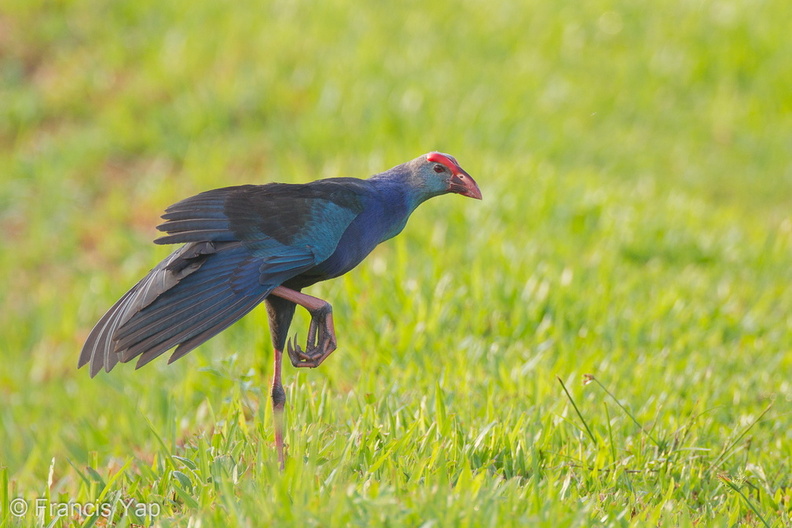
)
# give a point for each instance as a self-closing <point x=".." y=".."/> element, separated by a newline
<point x="278" y="402"/>
<point x="321" y="333"/>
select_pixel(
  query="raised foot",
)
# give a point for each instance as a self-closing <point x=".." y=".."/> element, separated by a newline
<point x="321" y="342"/>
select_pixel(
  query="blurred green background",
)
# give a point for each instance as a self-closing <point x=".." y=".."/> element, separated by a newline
<point x="635" y="161"/>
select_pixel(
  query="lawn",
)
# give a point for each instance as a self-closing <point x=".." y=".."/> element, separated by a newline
<point x="605" y="339"/>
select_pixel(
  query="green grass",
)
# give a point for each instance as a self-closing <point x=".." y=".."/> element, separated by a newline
<point x="636" y="227"/>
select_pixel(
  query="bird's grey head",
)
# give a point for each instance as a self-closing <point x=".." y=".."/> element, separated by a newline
<point x="436" y="173"/>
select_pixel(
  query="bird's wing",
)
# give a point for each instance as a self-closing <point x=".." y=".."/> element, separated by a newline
<point x="240" y="243"/>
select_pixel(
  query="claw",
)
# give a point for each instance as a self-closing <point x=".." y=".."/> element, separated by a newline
<point x="320" y="344"/>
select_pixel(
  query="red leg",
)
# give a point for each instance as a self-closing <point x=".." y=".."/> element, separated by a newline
<point x="278" y="402"/>
<point x="321" y="334"/>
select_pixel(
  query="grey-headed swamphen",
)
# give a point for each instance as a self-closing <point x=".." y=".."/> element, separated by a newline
<point x="252" y="243"/>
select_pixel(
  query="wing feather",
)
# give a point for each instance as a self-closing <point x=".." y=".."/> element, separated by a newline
<point x="240" y="243"/>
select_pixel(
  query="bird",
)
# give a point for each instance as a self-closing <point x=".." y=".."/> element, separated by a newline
<point x="248" y="244"/>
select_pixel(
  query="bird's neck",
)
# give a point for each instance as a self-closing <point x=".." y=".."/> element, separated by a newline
<point x="396" y="188"/>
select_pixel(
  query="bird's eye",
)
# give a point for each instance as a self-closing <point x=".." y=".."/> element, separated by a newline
<point x="439" y="168"/>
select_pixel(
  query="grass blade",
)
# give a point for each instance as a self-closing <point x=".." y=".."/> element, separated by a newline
<point x="583" y="420"/>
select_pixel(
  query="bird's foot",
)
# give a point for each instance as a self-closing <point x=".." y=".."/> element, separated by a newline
<point x="321" y="343"/>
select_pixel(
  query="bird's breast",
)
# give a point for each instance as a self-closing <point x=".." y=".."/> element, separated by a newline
<point x="367" y="231"/>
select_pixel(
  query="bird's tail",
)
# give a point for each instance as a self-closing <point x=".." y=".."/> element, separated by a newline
<point x="184" y="301"/>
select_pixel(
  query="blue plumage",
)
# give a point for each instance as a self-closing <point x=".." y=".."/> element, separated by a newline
<point x="243" y="242"/>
